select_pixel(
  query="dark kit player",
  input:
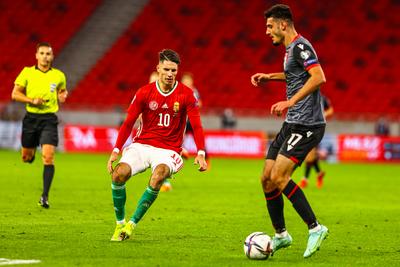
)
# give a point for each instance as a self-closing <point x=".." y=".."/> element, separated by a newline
<point x="302" y="130"/>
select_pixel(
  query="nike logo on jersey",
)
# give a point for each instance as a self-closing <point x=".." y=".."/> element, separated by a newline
<point x="301" y="46"/>
<point x="309" y="133"/>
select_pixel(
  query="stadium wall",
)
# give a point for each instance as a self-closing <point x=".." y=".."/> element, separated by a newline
<point x="266" y="124"/>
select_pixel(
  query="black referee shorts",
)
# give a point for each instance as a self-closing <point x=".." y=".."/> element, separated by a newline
<point x="295" y="141"/>
<point x="39" y="129"/>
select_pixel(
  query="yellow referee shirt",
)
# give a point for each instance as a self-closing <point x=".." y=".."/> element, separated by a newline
<point x="39" y="84"/>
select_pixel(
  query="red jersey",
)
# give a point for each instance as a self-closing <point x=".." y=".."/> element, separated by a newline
<point x="164" y="117"/>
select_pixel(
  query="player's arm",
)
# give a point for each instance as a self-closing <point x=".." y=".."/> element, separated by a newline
<point x="195" y="121"/>
<point x="328" y="112"/>
<point x="316" y="79"/>
<point x="125" y="131"/>
<point x="62" y="95"/>
<point x="62" y="92"/>
<point x="306" y="57"/>
<point x="18" y="94"/>
<point x="259" y="78"/>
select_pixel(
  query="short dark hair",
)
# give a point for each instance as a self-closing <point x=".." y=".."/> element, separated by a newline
<point x="169" y="55"/>
<point x="279" y="11"/>
<point x="42" y="44"/>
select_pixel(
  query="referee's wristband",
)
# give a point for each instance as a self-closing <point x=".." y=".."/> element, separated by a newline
<point x="201" y="153"/>
<point x="116" y="150"/>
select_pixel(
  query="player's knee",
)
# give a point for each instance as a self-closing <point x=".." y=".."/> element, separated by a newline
<point x="279" y="178"/>
<point x="160" y="173"/>
<point x="48" y="159"/>
<point x="120" y="174"/>
<point x="265" y="179"/>
<point x="267" y="184"/>
<point x="156" y="182"/>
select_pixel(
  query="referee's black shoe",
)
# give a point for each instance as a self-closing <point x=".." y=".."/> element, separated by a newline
<point x="44" y="202"/>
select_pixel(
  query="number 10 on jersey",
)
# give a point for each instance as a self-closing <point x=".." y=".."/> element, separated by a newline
<point x="165" y="119"/>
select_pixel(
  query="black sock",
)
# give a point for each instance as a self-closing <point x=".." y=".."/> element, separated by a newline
<point x="308" y="169"/>
<point x="275" y="209"/>
<point x="48" y="174"/>
<point x="294" y="193"/>
<point x="316" y="166"/>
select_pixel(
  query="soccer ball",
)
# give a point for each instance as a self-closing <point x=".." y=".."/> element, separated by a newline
<point x="258" y="246"/>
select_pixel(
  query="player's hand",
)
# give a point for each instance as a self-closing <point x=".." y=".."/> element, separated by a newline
<point x="279" y="107"/>
<point x="37" y="101"/>
<point x="201" y="161"/>
<point x="113" y="157"/>
<point x="62" y="96"/>
<point x="259" y="78"/>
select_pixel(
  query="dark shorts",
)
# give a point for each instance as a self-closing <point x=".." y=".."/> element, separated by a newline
<point x="295" y="141"/>
<point x="39" y="129"/>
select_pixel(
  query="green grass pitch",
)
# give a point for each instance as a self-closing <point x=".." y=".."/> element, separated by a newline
<point x="202" y="222"/>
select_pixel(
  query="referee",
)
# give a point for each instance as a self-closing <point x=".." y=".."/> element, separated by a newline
<point x="41" y="87"/>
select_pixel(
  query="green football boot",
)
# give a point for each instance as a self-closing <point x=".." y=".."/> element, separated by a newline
<point x="280" y="242"/>
<point x="314" y="241"/>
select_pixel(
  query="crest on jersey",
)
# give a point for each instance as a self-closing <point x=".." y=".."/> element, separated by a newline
<point x="176" y="107"/>
<point x="53" y="87"/>
<point x="305" y="54"/>
<point x="153" y="105"/>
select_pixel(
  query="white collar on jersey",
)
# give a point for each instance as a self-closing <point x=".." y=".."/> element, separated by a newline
<point x="170" y="92"/>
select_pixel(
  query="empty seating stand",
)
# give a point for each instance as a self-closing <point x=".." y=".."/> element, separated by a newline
<point x="24" y="23"/>
<point x="223" y="43"/>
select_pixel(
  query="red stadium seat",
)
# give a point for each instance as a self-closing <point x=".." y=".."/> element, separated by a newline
<point x="223" y="43"/>
<point x="25" y="23"/>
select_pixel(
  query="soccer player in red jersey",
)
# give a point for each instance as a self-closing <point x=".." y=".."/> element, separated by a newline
<point x="165" y="106"/>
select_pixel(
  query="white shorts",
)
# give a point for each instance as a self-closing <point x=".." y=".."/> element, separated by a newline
<point x="141" y="157"/>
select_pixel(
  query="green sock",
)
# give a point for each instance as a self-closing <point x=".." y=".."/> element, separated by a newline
<point x="119" y="199"/>
<point x="144" y="204"/>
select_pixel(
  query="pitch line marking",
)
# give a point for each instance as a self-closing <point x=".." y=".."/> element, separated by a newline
<point x="4" y="261"/>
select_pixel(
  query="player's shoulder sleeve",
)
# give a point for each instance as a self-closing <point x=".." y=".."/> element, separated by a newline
<point x="62" y="79"/>
<point x="305" y="55"/>
<point x="190" y="97"/>
<point x="138" y="99"/>
<point x="23" y="76"/>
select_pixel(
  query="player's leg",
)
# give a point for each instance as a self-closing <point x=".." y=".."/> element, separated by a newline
<point x="280" y="175"/>
<point x="29" y="139"/>
<point x="28" y="154"/>
<point x="120" y="175"/>
<point x="321" y="173"/>
<point x="160" y="173"/>
<point x="274" y="200"/>
<point x="273" y="195"/>
<point x="48" y="152"/>
<point x="48" y="138"/>
<point x="295" y="148"/>
<point x="164" y="163"/>
<point x="308" y="165"/>
<point x="131" y="163"/>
